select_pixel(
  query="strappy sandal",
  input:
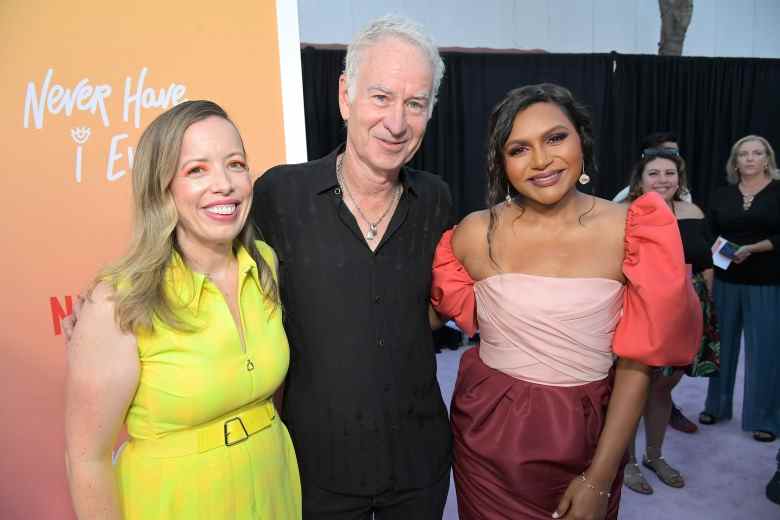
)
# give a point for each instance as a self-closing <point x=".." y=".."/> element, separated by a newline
<point x="635" y="481"/>
<point x="667" y="474"/>
<point x="764" y="436"/>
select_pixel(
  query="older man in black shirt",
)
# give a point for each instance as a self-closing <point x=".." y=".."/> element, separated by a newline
<point x="355" y="234"/>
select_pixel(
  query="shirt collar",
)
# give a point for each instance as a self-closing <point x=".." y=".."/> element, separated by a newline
<point x="327" y="180"/>
<point x="247" y="267"/>
<point x="187" y="286"/>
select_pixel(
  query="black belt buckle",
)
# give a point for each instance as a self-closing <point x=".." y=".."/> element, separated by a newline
<point x="227" y="433"/>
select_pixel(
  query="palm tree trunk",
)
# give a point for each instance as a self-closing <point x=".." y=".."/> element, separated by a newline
<point x="675" y="18"/>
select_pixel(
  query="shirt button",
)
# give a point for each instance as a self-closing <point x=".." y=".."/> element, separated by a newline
<point x="377" y="299"/>
<point x="380" y="343"/>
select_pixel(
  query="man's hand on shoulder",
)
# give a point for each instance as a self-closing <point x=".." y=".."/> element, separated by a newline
<point x="69" y="321"/>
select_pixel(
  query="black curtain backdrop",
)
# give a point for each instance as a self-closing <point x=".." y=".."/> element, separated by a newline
<point x="708" y="102"/>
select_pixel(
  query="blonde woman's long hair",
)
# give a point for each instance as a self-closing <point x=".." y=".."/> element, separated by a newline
<point x="732" y="174"/>
<point x="137" y="279"/>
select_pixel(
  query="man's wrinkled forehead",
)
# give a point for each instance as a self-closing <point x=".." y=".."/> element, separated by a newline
<point x="391" y="55"/>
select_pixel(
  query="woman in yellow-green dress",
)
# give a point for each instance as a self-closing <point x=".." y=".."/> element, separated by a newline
<point x="182" y="341"/>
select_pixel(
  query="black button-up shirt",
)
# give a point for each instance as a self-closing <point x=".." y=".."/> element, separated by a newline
<point x="362" y="402"/>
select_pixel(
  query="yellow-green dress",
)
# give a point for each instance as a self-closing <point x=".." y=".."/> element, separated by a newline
<point x="205" y="441"/>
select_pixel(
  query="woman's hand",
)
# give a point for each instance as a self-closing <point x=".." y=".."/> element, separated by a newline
<point x="588" y="499"/>
<point x="759" y="247"/>
<point x="582" y="502"/>
<point x="742" y="254"/>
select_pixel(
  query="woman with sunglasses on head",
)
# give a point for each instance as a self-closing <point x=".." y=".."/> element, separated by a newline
<point x="181" y="341"/>
<point x="747" y="292"/>
<point x="662" y="171"/>
<point x="665" y="141"/>
<point x="559" y="282"/>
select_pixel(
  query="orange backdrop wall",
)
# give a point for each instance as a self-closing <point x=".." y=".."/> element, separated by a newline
<point x="81" y="79"/>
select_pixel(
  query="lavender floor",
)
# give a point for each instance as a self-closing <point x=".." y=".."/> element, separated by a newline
<point x="726" y="471"/>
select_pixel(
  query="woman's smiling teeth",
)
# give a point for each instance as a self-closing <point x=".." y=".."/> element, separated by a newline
<point x="222" y="209"/>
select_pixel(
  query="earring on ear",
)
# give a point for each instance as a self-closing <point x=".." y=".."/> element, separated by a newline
<point x="584" y="177"/>
<point x="508" y="198"/>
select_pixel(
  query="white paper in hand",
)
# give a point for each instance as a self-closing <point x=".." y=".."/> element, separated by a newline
<point x="723" y="252"/>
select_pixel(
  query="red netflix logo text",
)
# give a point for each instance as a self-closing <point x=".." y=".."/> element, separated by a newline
<point x="57" y="312"/>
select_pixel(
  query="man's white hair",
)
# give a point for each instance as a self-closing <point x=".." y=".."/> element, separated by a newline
<point x="391" y="26"/>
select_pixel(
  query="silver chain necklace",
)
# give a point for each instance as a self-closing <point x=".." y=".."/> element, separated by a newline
<point x="373" y="227"/>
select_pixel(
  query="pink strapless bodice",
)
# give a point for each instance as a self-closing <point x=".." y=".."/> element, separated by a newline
<point x="552" y="331"/>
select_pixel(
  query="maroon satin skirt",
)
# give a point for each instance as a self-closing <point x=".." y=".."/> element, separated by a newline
<point x="518" y="445"/>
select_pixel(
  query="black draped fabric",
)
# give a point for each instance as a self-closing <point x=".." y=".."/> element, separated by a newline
<point x="708" y="102"/>
<point x="324" y="127"/>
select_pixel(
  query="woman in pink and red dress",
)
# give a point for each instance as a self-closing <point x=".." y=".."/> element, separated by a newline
<point x="560" y="283"/>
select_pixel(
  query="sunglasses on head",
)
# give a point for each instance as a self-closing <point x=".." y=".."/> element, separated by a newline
<point x="660" y="152"/>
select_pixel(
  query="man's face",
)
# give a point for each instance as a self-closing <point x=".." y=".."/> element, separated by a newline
<point x="386" y="119"/>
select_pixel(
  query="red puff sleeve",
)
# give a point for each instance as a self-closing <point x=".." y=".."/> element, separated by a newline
<point x="452" y="289"/>
<point x="662" y="322"/>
